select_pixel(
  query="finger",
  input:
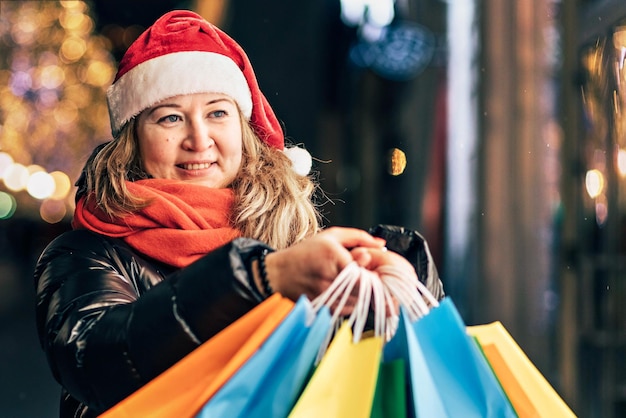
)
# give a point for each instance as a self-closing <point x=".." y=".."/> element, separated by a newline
<point x="353" y="237"/>
<point x="362" y="256"/>
<point x="375" y="257"/>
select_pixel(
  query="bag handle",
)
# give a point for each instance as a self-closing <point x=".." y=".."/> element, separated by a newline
<point x="411" y="294"/>
<point x="377" y="291"/>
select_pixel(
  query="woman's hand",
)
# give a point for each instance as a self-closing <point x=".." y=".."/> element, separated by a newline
<point x="374" y="258"/>
<point x="310" y="266"/>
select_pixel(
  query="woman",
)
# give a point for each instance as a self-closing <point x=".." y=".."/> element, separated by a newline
<point x="187" y="220"/>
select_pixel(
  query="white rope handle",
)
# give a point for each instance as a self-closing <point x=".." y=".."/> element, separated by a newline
<point x="408" y="290"/>
<point x="371" y="293"/>
<point x="341" y="287"/>
<point x="379" y="290"/>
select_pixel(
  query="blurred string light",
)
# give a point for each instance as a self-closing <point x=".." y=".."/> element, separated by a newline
<point x="53" y="76"/>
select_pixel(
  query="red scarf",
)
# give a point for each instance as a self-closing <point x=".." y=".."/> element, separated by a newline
<point x="183" y="222"/>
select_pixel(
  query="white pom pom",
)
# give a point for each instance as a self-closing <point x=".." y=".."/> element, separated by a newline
<point x="300" y="160"/>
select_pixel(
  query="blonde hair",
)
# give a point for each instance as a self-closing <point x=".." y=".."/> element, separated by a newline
<point x="272" y="202"/>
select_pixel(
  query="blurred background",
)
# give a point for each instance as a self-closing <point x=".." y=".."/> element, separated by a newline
<point x="495" y="128"/>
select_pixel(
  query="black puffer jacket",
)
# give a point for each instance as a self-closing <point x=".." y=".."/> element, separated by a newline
<point x="103" y="341"/>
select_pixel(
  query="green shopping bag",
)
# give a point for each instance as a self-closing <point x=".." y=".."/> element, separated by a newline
<point x="390" y="400"/>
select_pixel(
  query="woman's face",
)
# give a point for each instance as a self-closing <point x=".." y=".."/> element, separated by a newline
<point x="194" y="138"/>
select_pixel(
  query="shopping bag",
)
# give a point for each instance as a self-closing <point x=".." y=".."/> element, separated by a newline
<point x="530" y="393"/>
<point x="181" y="390"/>
<point x="464" y="379"/>
<point x="344" y="382"/>
<point x="449" y="376"/>
<point x="423" y="395"/>
<point x="269" y="383"/>
<point x="390" y="396"/>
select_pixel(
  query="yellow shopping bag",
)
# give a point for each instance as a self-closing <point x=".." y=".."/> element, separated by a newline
<point x="344" y="383"/>
<point x="528" y="390"/>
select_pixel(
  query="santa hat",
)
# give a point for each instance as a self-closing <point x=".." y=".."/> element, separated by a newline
<point x="181" y="53"/>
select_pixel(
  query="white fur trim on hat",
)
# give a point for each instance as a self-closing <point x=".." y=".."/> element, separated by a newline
<point x="301" y="160"/>
<point x="171" y="75"/>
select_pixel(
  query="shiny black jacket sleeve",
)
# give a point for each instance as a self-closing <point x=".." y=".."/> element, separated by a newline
<point x="412" y="246"/>
<point x="103" y="341"/>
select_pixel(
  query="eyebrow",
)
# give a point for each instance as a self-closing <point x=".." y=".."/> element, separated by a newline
<point x="175" y="105"/>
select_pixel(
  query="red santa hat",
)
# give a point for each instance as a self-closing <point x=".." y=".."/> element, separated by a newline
<point x="181" y="53"/>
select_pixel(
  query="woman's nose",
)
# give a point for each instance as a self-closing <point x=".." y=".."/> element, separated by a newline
<point x="198" y="135"/>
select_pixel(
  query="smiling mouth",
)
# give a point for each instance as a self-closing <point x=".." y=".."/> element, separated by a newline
<point x="195" y="166"/>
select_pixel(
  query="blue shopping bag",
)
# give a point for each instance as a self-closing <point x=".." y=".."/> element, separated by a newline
<point x="423" y="398"/>
<point x="269" y="383"/>
<point x="461" y="374"/>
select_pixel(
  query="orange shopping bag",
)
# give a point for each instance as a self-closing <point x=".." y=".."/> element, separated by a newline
<point x="184" y="388"/>
<point x="529" y="392"/>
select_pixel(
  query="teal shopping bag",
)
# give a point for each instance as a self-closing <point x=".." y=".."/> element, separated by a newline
<point x="269" y="383"/>
<point x="423" y="397"/>
<point x="462" y="376"/>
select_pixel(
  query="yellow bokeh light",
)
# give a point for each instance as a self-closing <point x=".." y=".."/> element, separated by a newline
<point x="619" y="37"/>
<point x="79" y="94"/>
<point x="621" y="162"/>
<point x="71" y="20"/>
<point x="66" y="112"/>
<point x="99" y="73"/>
<point x="5" y="161"/>
<point x="24" y="30"/>
<point x="73" y="48"/>
<point x="594" y="182"/>
<point x="34" y="168"/>
<point x="16" y="120"/>
<point x="397" y="162"/>
<point x="40" y="185"/>
<point x="62" y="185"/>
<point x="73" y="5"/>
<point x="16" y="177"/>
<point x="52" y="76"/>
<point x="52" y="91"/>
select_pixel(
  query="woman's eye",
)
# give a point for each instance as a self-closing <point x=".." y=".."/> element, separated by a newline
<point x="170" y="118"/>
<point x="218" y="113"/>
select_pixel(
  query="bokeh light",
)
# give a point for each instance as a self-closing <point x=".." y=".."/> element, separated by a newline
<point x="52" y="211"/>
<point x="621" y="162"/>
<point x="73" y="49"/>
<point x="62" y="185"/>
<point x="53" y="79"/>
<point x="52" y="76"/>
<point x="34" y="168"/>
<point x="5" y="161"/>
<point x="40" y="185"/>
<point x="594" y="182"/>
<point x="8" y="205"/>
<point x="16" y="177"/>
<point x="397" y="162"/>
